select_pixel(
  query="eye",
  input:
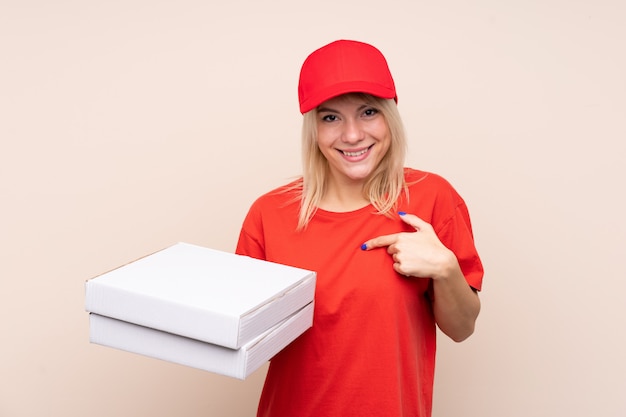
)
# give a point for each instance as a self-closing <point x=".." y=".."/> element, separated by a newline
<point x="370" y="111"/>
<point x="329" y="118"/>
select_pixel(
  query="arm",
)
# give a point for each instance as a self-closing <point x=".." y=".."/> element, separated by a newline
<point x="455" y="304"/>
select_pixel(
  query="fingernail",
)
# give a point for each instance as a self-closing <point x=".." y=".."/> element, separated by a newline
<point x="364" y="246"/>
<point x="401" y="213"/>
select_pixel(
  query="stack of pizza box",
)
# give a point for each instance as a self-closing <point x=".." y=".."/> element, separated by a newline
<point x="203" y="308"/>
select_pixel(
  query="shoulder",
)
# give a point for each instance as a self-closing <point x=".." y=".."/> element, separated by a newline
<point x="280" y="203"/>
<point x="432" y="196"/>
<point x="275" y="211"/>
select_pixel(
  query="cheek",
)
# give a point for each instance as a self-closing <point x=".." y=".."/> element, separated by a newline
<point x="380" y="130"/>
<point x="387" y="143"/>
<point x="325" y="138"/>
<point x="384" y="130"/>
<point x="323" y="148"/>
<point x="384" y="137"/>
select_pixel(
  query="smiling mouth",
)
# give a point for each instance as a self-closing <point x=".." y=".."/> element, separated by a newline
<point x="357" y="153"/>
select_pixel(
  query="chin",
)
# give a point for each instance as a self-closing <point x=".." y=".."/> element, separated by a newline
<point x="359" y="176"/>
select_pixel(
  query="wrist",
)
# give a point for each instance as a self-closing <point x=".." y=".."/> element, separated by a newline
<point x="448" y="266"/>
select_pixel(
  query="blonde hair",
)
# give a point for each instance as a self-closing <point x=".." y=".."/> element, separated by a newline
<point x="384" y="185"/>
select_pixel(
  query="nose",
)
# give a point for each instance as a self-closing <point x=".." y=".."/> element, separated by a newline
<point x="352" y="132"/>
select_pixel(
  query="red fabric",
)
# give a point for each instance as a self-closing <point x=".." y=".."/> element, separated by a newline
<point x="371" y="350"/>
<point x="343" y="66"/>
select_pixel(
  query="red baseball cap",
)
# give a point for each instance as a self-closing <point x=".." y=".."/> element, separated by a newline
<point x="342" y="67"/>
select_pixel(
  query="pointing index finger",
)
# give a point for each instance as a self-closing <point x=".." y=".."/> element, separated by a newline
<point x="379" y="242"/>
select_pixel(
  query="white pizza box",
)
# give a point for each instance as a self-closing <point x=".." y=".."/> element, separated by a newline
<point x="200" y="293"/>
<point x="238" y="363"/>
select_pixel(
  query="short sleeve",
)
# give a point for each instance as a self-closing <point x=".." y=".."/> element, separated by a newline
<point x="251" y="241"/>
<point x="456" y="234"/>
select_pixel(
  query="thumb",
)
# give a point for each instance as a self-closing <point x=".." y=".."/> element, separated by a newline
<point x="413" y="220"/>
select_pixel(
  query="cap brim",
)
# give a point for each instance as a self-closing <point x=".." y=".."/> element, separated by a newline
<point x="336" y="90"/>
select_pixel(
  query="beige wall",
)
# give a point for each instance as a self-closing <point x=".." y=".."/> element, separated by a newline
<point x="126" y="126"/>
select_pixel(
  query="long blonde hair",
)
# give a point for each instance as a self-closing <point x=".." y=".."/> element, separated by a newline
<point x="384" y="185"/>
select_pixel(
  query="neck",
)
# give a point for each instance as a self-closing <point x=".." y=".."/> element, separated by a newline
<point x="343" y="197"/>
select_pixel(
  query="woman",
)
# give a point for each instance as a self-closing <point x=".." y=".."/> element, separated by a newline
<point x="392" y="248"/>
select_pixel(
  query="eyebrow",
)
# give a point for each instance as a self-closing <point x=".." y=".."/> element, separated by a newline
<point x="328" y="109"/>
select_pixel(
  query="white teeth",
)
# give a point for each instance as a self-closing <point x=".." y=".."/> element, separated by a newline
<point x="355" y="153"/>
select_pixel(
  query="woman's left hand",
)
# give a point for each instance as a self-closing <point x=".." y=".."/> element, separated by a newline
<point x="421" y="254"/>
<point x="418" y="254"/>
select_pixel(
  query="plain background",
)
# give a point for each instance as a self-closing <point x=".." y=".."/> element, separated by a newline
<point x="127" y="126"/>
